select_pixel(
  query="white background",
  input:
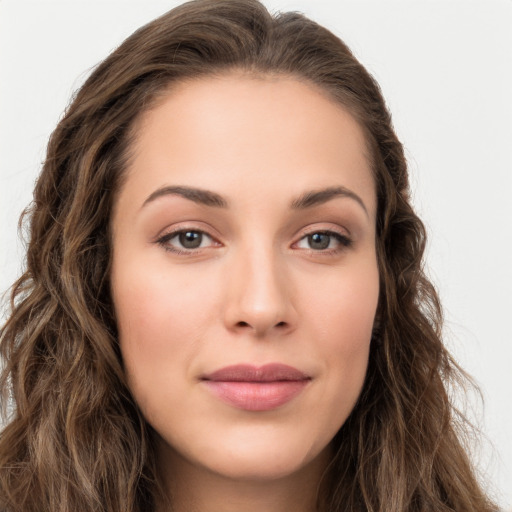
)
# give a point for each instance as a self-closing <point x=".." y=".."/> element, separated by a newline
<point x="445" y="70"/>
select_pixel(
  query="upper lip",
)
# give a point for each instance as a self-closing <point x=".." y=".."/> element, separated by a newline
<point x="248" y="373"/>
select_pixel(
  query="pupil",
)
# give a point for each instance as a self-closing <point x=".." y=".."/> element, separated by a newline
<point x="190" y="239"/>
<point x="319" y="241"/>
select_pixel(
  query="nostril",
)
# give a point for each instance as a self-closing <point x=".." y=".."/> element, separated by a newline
<point x="246" y="324"/>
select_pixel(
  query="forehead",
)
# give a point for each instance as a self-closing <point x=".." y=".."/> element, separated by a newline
<point x="269" y="94"/>
<point x="237" y="129"/>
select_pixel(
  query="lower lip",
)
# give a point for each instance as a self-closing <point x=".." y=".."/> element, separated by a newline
<point x="256" y="396"/>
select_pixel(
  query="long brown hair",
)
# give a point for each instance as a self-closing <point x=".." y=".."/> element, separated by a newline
<point x="75" y="439"/>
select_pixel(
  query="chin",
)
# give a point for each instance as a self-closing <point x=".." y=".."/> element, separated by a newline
<point x="257" y="456"/>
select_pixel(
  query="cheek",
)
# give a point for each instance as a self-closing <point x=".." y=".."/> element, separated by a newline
<point x="161" y="317"/>
<point x="343" y="306"/>
<point x="154" y="301"/>
<point x="342" y="324"/>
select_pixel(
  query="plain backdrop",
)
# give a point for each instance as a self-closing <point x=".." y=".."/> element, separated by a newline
<point x="445" y="70"/>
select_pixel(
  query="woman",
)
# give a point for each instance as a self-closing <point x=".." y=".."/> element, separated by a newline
<point x="224" y="306"/>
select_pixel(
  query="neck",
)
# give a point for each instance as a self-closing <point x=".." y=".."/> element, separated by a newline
<point x="197" y="489"/>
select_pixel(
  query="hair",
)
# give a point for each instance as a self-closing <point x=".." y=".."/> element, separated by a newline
<point x="75" y="439"/>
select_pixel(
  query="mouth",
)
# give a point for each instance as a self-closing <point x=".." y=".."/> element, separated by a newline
<point x="254" y="388"/>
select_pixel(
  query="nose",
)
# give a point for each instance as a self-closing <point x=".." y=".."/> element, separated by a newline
<point x="260" y="296"/>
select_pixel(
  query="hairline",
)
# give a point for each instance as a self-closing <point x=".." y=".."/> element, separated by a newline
<point x="161" y="94"/>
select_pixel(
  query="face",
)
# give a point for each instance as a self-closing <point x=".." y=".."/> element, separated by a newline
<point x="244" y="274"/>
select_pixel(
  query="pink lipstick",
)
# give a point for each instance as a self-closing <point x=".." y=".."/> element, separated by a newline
<point x="256" y="388"/>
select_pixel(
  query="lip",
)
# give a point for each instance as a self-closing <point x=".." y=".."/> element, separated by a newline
<point x="253" y="388"/>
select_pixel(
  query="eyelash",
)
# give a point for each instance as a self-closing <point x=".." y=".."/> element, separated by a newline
<point x="164" y="240"/>
<point x="344" y="242"/>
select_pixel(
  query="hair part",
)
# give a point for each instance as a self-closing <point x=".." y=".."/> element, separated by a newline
<point x="76" y="439"/>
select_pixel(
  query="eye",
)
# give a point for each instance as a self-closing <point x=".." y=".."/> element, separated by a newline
<point x="324" y="241"/>
<point x="186" y="240"/>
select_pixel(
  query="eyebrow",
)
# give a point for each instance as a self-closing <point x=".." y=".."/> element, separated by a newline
<point x="197" y="195"/>
<point x="208" y="198"/>
<point x="317" y="197"/>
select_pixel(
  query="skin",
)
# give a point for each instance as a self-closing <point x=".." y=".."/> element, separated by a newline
<point x="257" y="290"/>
